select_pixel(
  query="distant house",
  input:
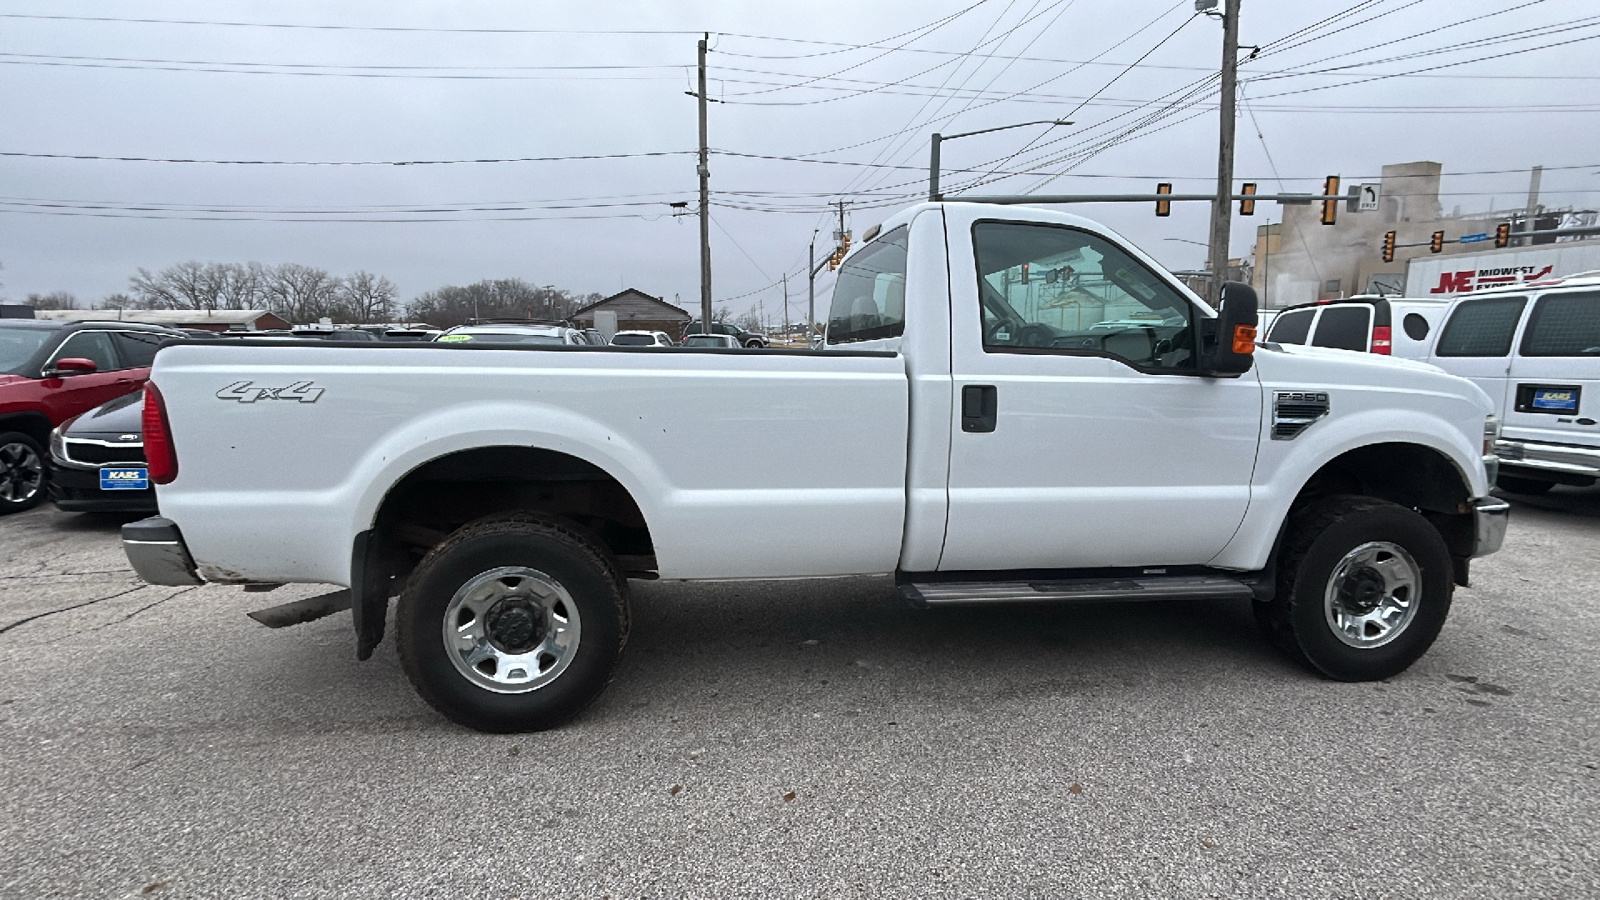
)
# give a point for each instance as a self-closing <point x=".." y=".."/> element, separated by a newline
<point x="636" y="311"/>
<point x="207" y="319"/>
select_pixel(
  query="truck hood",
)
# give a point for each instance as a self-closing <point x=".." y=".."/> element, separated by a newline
<point x="1295" y="367"/>
<point x="10" y="379"/>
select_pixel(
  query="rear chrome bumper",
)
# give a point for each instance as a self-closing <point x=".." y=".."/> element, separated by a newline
<point x="1491" y="515"/>
<point x="156" y="549"/>
<point x="1557" y="459"/>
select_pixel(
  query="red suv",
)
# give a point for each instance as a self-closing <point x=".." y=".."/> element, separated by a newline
<point x="51" y="371"/>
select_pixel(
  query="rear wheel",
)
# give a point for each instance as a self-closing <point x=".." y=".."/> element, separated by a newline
<point x="513" y="623"/>
<point x="1364" y="587"/>
<point x="1518" y="485"/>
<point x="23" y="475"/>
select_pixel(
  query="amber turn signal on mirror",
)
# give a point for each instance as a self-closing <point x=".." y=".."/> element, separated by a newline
<point x="1244" y="339"/>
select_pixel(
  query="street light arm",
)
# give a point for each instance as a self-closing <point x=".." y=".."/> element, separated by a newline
<point x="951" y="137"/>
<point x="933" y="149"/>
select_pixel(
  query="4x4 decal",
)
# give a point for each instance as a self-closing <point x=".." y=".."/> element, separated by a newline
<point x="246" y="392"/>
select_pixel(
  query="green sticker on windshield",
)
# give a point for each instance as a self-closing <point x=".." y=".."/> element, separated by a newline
<point x="454" y="338"/>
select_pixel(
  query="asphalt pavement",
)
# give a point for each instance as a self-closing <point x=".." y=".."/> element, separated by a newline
<point x="802" y="739"/>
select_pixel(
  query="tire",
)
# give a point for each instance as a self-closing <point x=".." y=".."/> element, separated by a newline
<point x="24" y="475"/>
<point x="537" y="615"/>
<point x="1363" y="589"/>
<point x="1517" y="485"/>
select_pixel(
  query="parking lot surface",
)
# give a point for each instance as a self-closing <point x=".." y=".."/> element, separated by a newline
<point x="809" y="739"/>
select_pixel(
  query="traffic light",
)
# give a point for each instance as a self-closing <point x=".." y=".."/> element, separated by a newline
<point x="1437" y="244"/>
<point x="1502" y="234"/>
<point x="1247" y="206"/>
<point x="1388" y="246"/>
<point x="844" y="243"/>
<point x="835" y="259"/>
<point x="1164" y="207"/>
<point x="1330" y="206"/>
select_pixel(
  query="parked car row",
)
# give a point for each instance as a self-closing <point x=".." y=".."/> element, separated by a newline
<point x="1534" y="348"/>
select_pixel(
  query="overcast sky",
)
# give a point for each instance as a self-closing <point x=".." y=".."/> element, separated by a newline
<point x="450" y="81"/>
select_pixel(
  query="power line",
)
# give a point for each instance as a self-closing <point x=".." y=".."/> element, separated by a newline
<point x="303" y="162"/>
<point x="322" y="27"/>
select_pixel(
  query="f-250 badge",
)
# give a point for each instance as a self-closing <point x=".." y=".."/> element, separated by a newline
<point x="247" y="392"/>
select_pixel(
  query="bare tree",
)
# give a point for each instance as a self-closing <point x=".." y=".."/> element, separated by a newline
<point x="498" y="298"/>
<point x="53" y="300"/>
<point x="182" y="286"/>
<point x="117" y="301"/>
<point x="300" y="293"/>
<point x="365" y="297"/>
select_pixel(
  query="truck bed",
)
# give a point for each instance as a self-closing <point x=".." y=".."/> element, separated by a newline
<point x="304" y="442"/>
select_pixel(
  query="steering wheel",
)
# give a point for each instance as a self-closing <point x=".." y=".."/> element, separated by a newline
<point x="1035" y="334"/>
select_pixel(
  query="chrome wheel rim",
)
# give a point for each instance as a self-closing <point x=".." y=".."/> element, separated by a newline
<point x="1372" y="594"/>
<point x="511" y="630"/>
<point x="21" y="473"/>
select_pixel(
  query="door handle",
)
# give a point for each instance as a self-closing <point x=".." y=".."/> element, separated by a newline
<point x="980" y="406"/>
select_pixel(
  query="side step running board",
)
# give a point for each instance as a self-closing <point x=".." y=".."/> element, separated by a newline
<point x="299" y="612"/>
<point x="1068" y="590"/>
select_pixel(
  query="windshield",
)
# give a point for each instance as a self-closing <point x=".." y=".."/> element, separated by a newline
<point x="633" y="340"/>
<point x="707" y="340"/>
<point x="18" y="344"/>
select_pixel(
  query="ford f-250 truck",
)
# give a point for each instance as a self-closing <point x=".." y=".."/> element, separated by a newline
<point x="1012" y="405"/>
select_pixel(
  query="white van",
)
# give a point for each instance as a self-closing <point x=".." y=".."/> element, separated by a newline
<point x="1365" y="323"/>
<point x="1535" y="348"/>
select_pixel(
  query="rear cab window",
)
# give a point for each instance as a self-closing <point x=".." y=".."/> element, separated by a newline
<point x="869" y="297"/>
<point x="1481" y="327"/>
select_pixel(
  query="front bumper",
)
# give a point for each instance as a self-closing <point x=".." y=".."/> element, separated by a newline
<point x="156" y="549"/>
<point x="78" y="490"/>
<point x="1554" y="459"/>
<point x="1491" y="515"/>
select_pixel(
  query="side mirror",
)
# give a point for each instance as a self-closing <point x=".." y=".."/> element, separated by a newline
<point x="72" y="365"/>
<point x="1228" y="345"/>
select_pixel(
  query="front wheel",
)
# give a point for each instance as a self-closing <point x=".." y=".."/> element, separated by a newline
<point x="22" y="472"/>
<point x="513" y="623"/>
<point x="1363" y="588"/>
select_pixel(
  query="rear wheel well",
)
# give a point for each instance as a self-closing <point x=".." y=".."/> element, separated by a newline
<point x="443" y="494"/>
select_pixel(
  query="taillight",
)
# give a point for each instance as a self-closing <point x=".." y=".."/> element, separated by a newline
<point x="1381" y="342"/>
<point x="159" y="455"/>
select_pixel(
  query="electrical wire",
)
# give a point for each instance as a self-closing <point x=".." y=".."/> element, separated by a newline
<point x="303" y="162"/>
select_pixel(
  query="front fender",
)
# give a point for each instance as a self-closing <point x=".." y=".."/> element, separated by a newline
<point x="1284" y="467"/>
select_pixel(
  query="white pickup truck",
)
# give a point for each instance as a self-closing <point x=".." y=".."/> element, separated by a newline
<point x="1013" y="405"/>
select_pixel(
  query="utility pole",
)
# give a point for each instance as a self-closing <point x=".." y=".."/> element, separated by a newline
<point x="841" y="223"/>
<point x="1222" y="207"/>
<point x="811" y="290"/>
<point x="786" y="307"/>
<point x="705" y="200"/>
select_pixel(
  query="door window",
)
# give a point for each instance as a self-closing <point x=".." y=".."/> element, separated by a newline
<point x="1481" y="327"/>
<point x="1047" y="288"/>
<point x="1344" y="328"/>
<point x="90" y="345"/>
<point x="1564" y="325"/>
<point x="869" y="297"/>
<point x="139" y="348"/>
<point x="1292" y="327"/>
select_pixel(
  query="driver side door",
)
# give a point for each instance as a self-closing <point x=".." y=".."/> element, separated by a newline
<point x="1083" y="434"/>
